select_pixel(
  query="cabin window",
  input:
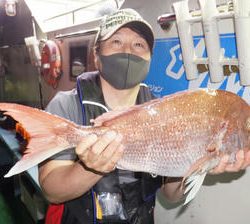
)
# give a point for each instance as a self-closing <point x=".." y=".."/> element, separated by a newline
<point x="78" y="60"/>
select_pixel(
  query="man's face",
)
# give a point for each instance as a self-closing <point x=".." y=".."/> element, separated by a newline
<point x="126" y="40"/>
<point x="123" y="59"/>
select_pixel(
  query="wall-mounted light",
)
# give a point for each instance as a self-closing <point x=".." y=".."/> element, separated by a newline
<point x="10" y="7"/>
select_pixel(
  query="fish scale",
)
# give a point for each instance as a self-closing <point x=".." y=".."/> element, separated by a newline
<point x="173" y="150"/>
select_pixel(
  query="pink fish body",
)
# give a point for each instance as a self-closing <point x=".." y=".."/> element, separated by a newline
<point x="171" y="136"/>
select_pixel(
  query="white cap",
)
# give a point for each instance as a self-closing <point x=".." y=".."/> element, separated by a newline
<point x="111" y="23"/>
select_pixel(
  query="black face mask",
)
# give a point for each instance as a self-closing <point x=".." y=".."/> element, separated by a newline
<point x="124" y="71"/>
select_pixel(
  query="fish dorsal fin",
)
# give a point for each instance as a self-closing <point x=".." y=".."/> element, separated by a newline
<point x="107" y="118"/>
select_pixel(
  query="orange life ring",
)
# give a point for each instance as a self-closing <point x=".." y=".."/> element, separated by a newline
<point x="51" y="66"/>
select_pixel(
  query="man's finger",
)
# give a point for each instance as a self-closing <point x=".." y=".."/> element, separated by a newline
<point x="85" y="144"/>
<point x="112" y="147"/>
<point x="103" y="142"/>
<point x="110" y="166"/>
<point x="107" y="155"/>
<point x="247" y="159"/>
<point x="234" y="167"/>
<point x="221" y="166"/>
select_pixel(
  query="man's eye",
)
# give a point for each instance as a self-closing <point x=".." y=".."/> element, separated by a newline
<point x="116" y="42"/>
<point x="141" y="45"/>
<point x="138" y="44"/>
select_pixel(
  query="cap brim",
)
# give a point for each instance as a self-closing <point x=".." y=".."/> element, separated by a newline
<point x="141" y="26"/>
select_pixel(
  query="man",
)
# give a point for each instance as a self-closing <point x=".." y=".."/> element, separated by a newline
<point x="84" y="179"/>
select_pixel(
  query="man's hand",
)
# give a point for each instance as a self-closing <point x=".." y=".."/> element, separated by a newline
<point x="100" y="154"/>
<point x="242" y="162"/>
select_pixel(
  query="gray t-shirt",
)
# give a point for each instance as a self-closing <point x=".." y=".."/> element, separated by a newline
<point x="66" y="104"/>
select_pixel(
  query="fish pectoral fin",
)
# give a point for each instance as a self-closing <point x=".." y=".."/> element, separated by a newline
<point x="194" y="178"/>
<point x="216" y="142"/>
<point x="194" y="184"/>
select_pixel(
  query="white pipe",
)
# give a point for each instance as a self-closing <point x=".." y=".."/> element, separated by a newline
<point x="201" y="61"/>
<point x="224" y="61"/>
<point x="186" y="38"/>
<point x="212" y="39"/>
<point x="230" y="61"/>
<point x="242" y="30"/>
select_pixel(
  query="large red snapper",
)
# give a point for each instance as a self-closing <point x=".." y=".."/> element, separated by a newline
<point x="178" y="135"/>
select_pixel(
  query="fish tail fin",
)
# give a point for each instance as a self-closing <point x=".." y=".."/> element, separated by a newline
<point x="194" y="178"/>
<point x="30" y="160"/>
<point x="45" y="134"/>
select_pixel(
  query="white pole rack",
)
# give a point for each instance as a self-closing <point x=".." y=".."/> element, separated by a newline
<point x="209" y="15"/>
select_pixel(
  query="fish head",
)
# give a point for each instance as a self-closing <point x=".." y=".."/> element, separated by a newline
<point x="237" y="117"/>
<point x="243" y="121"/>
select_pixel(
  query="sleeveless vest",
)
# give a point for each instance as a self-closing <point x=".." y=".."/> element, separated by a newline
<point x="137" y="197"/>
